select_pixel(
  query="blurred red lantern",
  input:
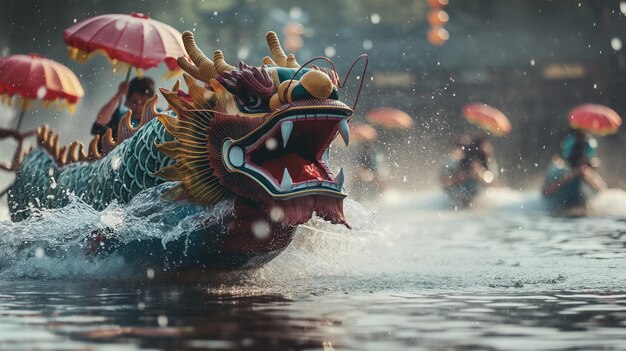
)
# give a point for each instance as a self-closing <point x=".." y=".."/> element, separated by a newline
<point x="437" y="4"/>
<point x="293" y="43"/>
<point x="437" y="18"/>
<point x="293" y="28"/>
<point x="438" y="35"/>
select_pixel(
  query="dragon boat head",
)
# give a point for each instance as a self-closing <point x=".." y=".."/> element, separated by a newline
<point x="260" y="133"/>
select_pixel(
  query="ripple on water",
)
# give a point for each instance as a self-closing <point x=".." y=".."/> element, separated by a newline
<point x="407" y="277"/>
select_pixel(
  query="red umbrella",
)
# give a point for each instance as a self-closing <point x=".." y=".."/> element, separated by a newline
<point x="134" y="39"/>
<point x="33" y="77"/>
<point x="488" y="118"/>
<point x="27" y="78"/>
<point x="390" y="117"/>
<point x="595" y="119"/>
<point x="362" y="132"/>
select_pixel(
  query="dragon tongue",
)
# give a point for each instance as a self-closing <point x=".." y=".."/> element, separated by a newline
<point x="297" y="167"/>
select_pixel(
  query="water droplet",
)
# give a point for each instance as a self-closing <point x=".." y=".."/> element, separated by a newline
<point x="295" y="13"/>
<point x="532" y="62"/>
<point x="330" y="51"/>
<point x="162" y="321"/>
<point x="277" y="214"/>
<point x="41" y="92"/>
<point x="261" y="229"/>
<point x="39" y="252"/>
<point x="271" y="144"/>
<point x="616" y="44"/>
<point x="243" y="52"/>
<point x="115" y="163"/>
<point x="120" y="24"/>
<point x="367" y="44"/>
<point x="375" y="18"/>
<point x="150" y="274"/>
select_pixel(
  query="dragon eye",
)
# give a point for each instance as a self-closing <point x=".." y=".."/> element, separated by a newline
<point x="253" y="101"/>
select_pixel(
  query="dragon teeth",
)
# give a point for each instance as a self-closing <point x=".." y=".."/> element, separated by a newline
<point x="340" y="179"/>
<point x="326" y="157"/>
<point x="285" y="130"/>
<point x="344" y="130"/>
<point x="286" y="183"/>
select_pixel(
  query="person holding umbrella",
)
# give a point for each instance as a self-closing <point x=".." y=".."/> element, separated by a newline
<point x="570" y="179"/>
<point x="471" y="165"/>
<point x="137" y="93"/>
<point x="125" y="40"/>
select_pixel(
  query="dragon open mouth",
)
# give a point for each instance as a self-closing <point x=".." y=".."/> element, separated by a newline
<point x="288" y="154"/>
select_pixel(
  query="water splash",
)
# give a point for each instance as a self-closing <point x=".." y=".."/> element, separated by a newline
<point x="409" y="241"/>
<point x="508" y="241"/>
<point x="63" y="234"/>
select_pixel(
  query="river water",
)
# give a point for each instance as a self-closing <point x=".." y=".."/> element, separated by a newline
<point x="413" y="274"/>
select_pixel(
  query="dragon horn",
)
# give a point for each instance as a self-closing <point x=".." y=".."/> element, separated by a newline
<point x="203" y="68"/>
<point x="291" y="62"/>
<point x="72" y="155"/>
<point x="42" y="134"/>
<point x="220" y="65"/>
<point x="94" y="153"/>
<point x="268" y="61"/>
<point x="176" y="86"/>
<point x="62" y="159"/>
<point x="277" y="51"/>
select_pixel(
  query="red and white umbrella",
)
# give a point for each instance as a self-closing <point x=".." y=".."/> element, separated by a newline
<point x="595" y="119"/>
<point x="135" y="40"/>
<point x="389" y="117"/>
<point x="27" y="78"/>
<point x="488" y="118"/>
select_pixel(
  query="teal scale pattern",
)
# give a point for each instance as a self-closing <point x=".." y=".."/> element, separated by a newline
<point x="119" y="176"/>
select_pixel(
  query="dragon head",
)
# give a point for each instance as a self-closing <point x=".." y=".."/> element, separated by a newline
<point x="261" y="133"/>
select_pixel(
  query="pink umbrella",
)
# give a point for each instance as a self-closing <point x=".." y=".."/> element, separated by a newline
<point x="134" y="39"/>
<point x="488" y="118"/>
<point x="595" y="119"/>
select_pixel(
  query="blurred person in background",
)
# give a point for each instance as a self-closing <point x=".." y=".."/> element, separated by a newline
<point x="470" y="168"/>
<point x="571" y="177"/>
<point x="368" y="181"/>
<point x="137" y="93"/>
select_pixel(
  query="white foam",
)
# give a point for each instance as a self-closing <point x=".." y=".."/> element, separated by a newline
<point x="409" y="240"/>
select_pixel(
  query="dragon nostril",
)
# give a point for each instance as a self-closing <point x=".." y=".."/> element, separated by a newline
<point x="317" y="83"/>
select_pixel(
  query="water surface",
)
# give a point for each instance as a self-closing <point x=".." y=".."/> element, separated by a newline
<point x="413" y="274"/>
